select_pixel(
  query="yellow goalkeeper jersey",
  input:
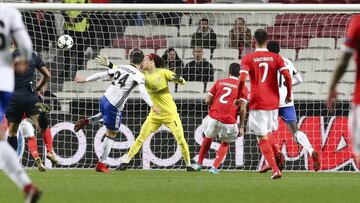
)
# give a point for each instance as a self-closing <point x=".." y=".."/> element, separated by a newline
<point x="157" y="85"/>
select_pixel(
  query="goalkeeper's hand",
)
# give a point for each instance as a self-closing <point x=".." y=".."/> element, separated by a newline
<point x="178" y="79"/>
<point x="102" y="60"/>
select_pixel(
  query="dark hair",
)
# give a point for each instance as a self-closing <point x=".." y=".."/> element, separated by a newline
<point x="136" y="56"/>
<point x="240" y="18"/>
<point x="159" y="62"/>
<point x="234" y="69"/>
<point x="260" y="36"/>
<point x="273" y="46"/>
<point x="204" y="19"/>
<point x="165" y="57"/>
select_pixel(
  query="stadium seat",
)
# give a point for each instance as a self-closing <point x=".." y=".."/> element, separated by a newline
<point x="99" y="86"/>
<point x="333" y="31"/>
<point x="137" y="31"/>
<point x="219" y="74"/>
<point x="126" y="42"/>
<point x="288" y="53"/>
<point x="333" y="55"/>
<point x="323" y="43"/>
<point x="153" y="43"/>
<point x="164" y="31"/>
<point x="223" y="64"/>
<point x="348" y="77"/>
<point x="306" y="1"/>
<point x="70" y="86"/>
<point x="307" y="90"/>
<point x="318" y="77"/>
<point x="209" y="85"/>
<point x="179" y="42"/>
<point x="112" y="53"/>
<point x="325" y="66"/>
<point x="340" y="42"/>
<point x="314" y="19"/>
<point x="230" y="54"/>
<point x="334" y="1"/>
<point x="120" y="62"/>
<point x="305" y="66"/>
<point x="261" y="19"/>
<point x="287" y="19"/>
<point x="222" y="31"/>
<point x="189" y="56"/>
<point x="187" y="31"/>
<point x="281" y="1"/>
<point x="305" y="31"/>
<point x="279" y="31"/>
<point x="294" y="43"/>
<point x="185" y="20"/>
<point x="311" y="54"/>
<point x="191" y="87"/>
<point x="161" y="52"/>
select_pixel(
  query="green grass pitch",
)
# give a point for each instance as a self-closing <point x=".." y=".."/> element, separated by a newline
<point x="87" y="186"/>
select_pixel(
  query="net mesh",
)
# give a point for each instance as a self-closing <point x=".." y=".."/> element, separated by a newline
<point x="311" y="41"/>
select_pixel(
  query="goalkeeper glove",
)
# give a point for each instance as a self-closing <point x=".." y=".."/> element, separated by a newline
<point x="178" y="79"/>
<point x="104" y="61"/>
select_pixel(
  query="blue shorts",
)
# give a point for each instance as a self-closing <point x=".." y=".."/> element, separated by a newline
<point x="288" y="114"/>
<point x="5" y="98"/>
<point x="111" y="114"/>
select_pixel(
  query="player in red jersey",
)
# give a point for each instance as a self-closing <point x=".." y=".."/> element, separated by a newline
<point x="222" y="118"/>
<point x="352" y="44"/>
<point x="262" y="66"/>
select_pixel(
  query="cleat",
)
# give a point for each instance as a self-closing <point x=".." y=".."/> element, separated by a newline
<point x="316" y="160"/>
<point x="53" y="160"/>
<point x="39" y="164"/>
<point x="214" y="171"/>
<point x="42" y="107"/>
<point x="101" y="167"/>
<point x="80" y="124"/>
<point x="265" y="168"/>
<point x="197" y="167"/>
<point x="32" y="194"/>
<point x="280" y="160"/>
<point x="276" y="175"/>
<point x="190" y="169"/>
<point x="122" y="167"/>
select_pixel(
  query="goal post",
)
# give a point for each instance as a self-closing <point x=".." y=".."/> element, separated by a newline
<point x="311" y="36"/>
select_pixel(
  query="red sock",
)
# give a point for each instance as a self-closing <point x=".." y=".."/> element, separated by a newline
<point x="48" y="140"/>
<point x="205" y="146"/>
<point x="33" y="147"/>
<point x="274" y="145"/>
<point x="268" y="153"/>
<point x="220" y="154"/>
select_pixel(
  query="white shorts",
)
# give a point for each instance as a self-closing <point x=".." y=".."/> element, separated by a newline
<point x="262" y="122"/>
<point x="354" y="128"/>
<point x="226" y="132"/>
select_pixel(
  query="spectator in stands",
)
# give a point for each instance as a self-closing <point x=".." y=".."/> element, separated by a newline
<point x="77" y="26"/>
<point x="204" y="36"/>
<point x="240" y="36"/>
<point x="172" y="61"/>
<point x="198" y="69"/>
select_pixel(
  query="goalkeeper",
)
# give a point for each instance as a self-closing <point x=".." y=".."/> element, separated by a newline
<point x="156" y="82"/>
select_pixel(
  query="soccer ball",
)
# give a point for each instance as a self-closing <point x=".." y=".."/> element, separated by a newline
<point x="65" y="42"/>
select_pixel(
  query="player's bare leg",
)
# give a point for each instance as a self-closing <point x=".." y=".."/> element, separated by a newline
<point x="15" y="172"/>
<point x="106" y="148"/>
<point x="80" y="124"/>
<point x="303" y="140"/>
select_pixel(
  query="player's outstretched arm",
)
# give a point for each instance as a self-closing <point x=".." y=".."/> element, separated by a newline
<point x="339" y="72"/>
<point x="146" y="97"/>
<point x="93" y="77"/>
<point x="104" y="61"/>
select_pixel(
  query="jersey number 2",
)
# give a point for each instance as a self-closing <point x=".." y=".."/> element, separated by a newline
<point x="266" y="69"/>
<point x="227" y="93"/>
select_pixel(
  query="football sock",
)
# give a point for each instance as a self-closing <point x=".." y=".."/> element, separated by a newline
<point x="11" y="166"/>
<point x="304" y="141"/>
<point x="13" y="142"/>
<point x="205" y="146"/>
<point x="106" y="148"/>
<point x="95" y="118"/>
<point x="268" y="153"/>
<point x="33" y="147"/>
<point x="274" y="145"/>
<point x="220" y="154"/>
<point x="48" y="140"/>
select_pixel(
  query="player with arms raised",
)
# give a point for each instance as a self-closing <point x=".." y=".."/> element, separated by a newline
<point x="288" y="114"/>
<point x="222" y="118"/>
<point x="13" y="28"/>
<point x="352" y="44"/>
<point x="125" y="79"/>
<point x="262" y="66"/>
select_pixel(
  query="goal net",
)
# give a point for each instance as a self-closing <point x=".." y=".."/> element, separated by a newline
<point x="311" y="40"/>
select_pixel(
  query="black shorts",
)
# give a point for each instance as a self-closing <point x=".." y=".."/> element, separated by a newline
<point x="22" y="102"/>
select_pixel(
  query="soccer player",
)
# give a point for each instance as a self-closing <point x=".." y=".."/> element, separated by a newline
<point x="287" y="112"/>
<point x="262" y="66"/>
<point x="18" y="107"/>
<point x="12" y="27"/>
<point x="125" y="79"/>
<point x="222" y="118"/>
<point x="352" y="43"/>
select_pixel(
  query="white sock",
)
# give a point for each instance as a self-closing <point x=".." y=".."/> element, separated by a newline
<point x="11" y="166"/>
<point x="304" y="141"/>
<point x="95" y="118"/>
<point x="106" y="148"/>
